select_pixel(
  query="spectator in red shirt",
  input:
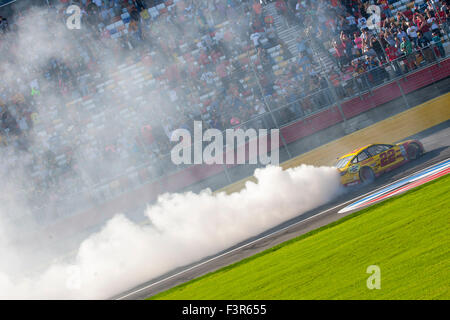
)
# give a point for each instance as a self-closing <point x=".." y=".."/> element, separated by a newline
<point x="281" y="6"/>
<point x="358" y="42"/>
<point x="408" y="14"/>
<point x="441" y="15"/>
<point x="416" y="17"/>
<point x="391" y="53"/>
<point x="424" y="28"/>
<point x="384" y="4"/>
<point x="203" y="59"/>
<point x="257" y="7"/>
<point x="340" y="53"/>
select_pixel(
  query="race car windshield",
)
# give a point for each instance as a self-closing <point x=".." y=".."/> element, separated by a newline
<point x="343" y="162"/>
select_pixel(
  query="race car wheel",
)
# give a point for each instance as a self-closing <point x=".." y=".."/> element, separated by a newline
<point x="366" y="174"/>
<point x="414" y="151"/>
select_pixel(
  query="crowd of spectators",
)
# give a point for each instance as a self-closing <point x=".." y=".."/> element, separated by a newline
<point x="404" y="39"/>
<point x="221" y="62"/>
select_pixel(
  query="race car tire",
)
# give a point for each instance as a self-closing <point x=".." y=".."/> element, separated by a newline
<point x="413" y="151"/>
<point x="366" y="174"/>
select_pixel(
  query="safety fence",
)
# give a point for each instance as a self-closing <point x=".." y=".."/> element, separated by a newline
<point x="144" y="184"/>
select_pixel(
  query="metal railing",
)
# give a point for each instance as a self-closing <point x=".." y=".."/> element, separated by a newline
<point x="164" y="166"/>
<point x="281" y="110"/>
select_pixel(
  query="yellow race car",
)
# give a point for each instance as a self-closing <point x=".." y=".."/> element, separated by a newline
<point x="367" y="163"/>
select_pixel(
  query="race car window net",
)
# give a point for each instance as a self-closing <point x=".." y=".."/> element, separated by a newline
<point x="362" y="156"/>
<point x="343" y="162"/>
<point x="379" y="148"/>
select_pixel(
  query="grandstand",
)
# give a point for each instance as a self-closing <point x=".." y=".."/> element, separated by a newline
<point x="297" y="66"/>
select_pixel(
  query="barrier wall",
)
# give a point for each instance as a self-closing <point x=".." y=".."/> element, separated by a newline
<point x="395" y="128"/>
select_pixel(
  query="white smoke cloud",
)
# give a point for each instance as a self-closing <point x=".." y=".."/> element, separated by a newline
<point x="185" y="228"/>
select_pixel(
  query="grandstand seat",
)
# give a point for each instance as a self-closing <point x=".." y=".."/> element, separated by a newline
<point x="118" y="24"/>
<point x="111" y="29"/>
<point x="161" y="8"/>
<point x="277" y="47"/>
<point x="153" y="11"/>
<point x="118" y="29"/>
<point x="275" y="53"/>
<point x="126" y="18"/>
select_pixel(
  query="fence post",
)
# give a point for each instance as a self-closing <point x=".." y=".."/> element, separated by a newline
<point x="268" y="106"/>
<point x="331" y="87"/>
<point x="227" y="175"/>
<point x="431" y="47"/>
<point x="403" y="94"/>
<point x="335" y="96"/>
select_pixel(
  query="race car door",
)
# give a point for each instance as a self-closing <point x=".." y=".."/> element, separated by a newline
<point x="385" y="155"/>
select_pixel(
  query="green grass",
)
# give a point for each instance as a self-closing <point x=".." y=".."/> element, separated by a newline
<point x="407" y="236"/>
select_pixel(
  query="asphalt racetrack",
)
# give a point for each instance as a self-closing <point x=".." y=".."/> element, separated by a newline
<point x="436" y="142"/>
